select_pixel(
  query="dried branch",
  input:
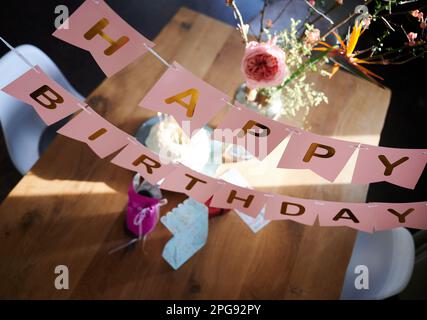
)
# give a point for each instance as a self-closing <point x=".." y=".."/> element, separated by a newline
<point x="239" y="18"/>
<point x="343" y="21"/>
<point x="261" y="24"/>
<point x="332" y="8"/>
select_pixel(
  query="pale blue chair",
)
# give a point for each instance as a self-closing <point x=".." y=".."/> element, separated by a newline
<point x="389" y="256"/>
<point x="25" y="133"/>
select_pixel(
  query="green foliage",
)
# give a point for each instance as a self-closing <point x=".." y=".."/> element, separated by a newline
<point x="297" y="91"/>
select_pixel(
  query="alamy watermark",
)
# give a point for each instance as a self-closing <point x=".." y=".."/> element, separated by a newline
<point x="361" y="282"/>
<point x="62" y="280"/>
<point x="61" y="21"/>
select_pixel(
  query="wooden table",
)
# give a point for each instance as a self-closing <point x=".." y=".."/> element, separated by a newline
<point x="69" y="210"/>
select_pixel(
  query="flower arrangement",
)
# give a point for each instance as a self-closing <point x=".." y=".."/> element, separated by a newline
<point x="276" y="65"/>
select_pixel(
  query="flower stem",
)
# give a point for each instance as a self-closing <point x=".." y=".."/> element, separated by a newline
<point x="302" y="68"/>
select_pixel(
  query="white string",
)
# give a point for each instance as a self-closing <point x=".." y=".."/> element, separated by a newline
<point x="123" y="246"/>
<point x="132" y="139"/>
<point x="138" y="220"/>
<point x="292" y="131"/>
<point x="319" y="12"/>
<point x="19" y="55"/>
<point x="84" y="107"/>
<point x="230" y="104"/>
<point x="359" y="146"/>
<point x="151" y="50"/>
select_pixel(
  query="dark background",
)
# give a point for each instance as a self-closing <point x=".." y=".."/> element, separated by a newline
<point x="32" y="22"/>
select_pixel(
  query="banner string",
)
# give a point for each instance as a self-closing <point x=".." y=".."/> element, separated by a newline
<point x="154" y="53"/>
<point x="230" y="104"/>
<point x="84" y="107"/>
<point x="7" y="44"/>
<point x="293" y="131"/>
<point x="133" y="140"/>
<point x="359" y="146"/>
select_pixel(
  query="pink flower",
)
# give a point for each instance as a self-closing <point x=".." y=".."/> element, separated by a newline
<point x="418" y="14"/>
<point x="312" y="2"/>
<point x="263" y="65"/>
<point x="366" y="22"/>
<point x="415" y="13"/>
<point x="411" y="37"/>
<point x="312" y="36"/>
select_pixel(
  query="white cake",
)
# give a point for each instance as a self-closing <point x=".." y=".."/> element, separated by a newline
<point x="167" y="139"/>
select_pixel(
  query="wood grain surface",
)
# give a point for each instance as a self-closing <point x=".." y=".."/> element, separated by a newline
<point x="69" y="210"/>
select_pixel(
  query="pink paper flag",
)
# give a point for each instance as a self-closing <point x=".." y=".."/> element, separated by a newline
<point x="402" y="167"/>
<point x="281" y="207"/>
<point x="230" y="196"/>
<point x="359" y="216"/>
<point x="138" y="158"/>
<point x="394" y="215"/>
<point x="51" y="102"/>
<point x="95" y="27"/>
<point x="196" y="185"/>
<point x="247" y="128"/>
<point x="100" y="135"/>
<point x="324" y="156"/>
<point x="190" y="100"/>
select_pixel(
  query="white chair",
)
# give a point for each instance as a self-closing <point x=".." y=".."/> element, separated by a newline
<point x="389" y="256"/>
<point x="25" y="133"/>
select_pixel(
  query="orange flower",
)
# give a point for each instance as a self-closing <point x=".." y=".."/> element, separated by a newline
<point x="343" y="53"/>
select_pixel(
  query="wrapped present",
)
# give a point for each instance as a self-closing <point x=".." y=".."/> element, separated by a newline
<point x="143" y="207"/>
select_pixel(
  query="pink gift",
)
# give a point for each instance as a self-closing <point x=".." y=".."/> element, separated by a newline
<point x="143" y="207"/>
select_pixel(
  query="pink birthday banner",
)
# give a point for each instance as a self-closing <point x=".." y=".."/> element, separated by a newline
<point x="53" y="103"/>
<point x="189" y="99"/>
<point x="95" y="27"/>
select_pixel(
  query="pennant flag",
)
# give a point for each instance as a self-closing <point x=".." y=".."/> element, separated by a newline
<point x="196" y="185"/>
<point x="402" y="167"/>
<point x="395" y="215"/>
<point x="359" y="216"/>
<point x="51" y="101"/>
<point x="281" y="207"/>
<point x="95" y="27"/>
<point x="322" y="155"/>
<point x="230" y="196"/>
<point x="100" y="135"/>
<point x="247" y="128"/>
<point x="140" y="159"/>
<point x="190" y="100"/>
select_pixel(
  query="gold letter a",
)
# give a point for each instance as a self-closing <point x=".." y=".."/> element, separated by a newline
<point x="190" y="106"/>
